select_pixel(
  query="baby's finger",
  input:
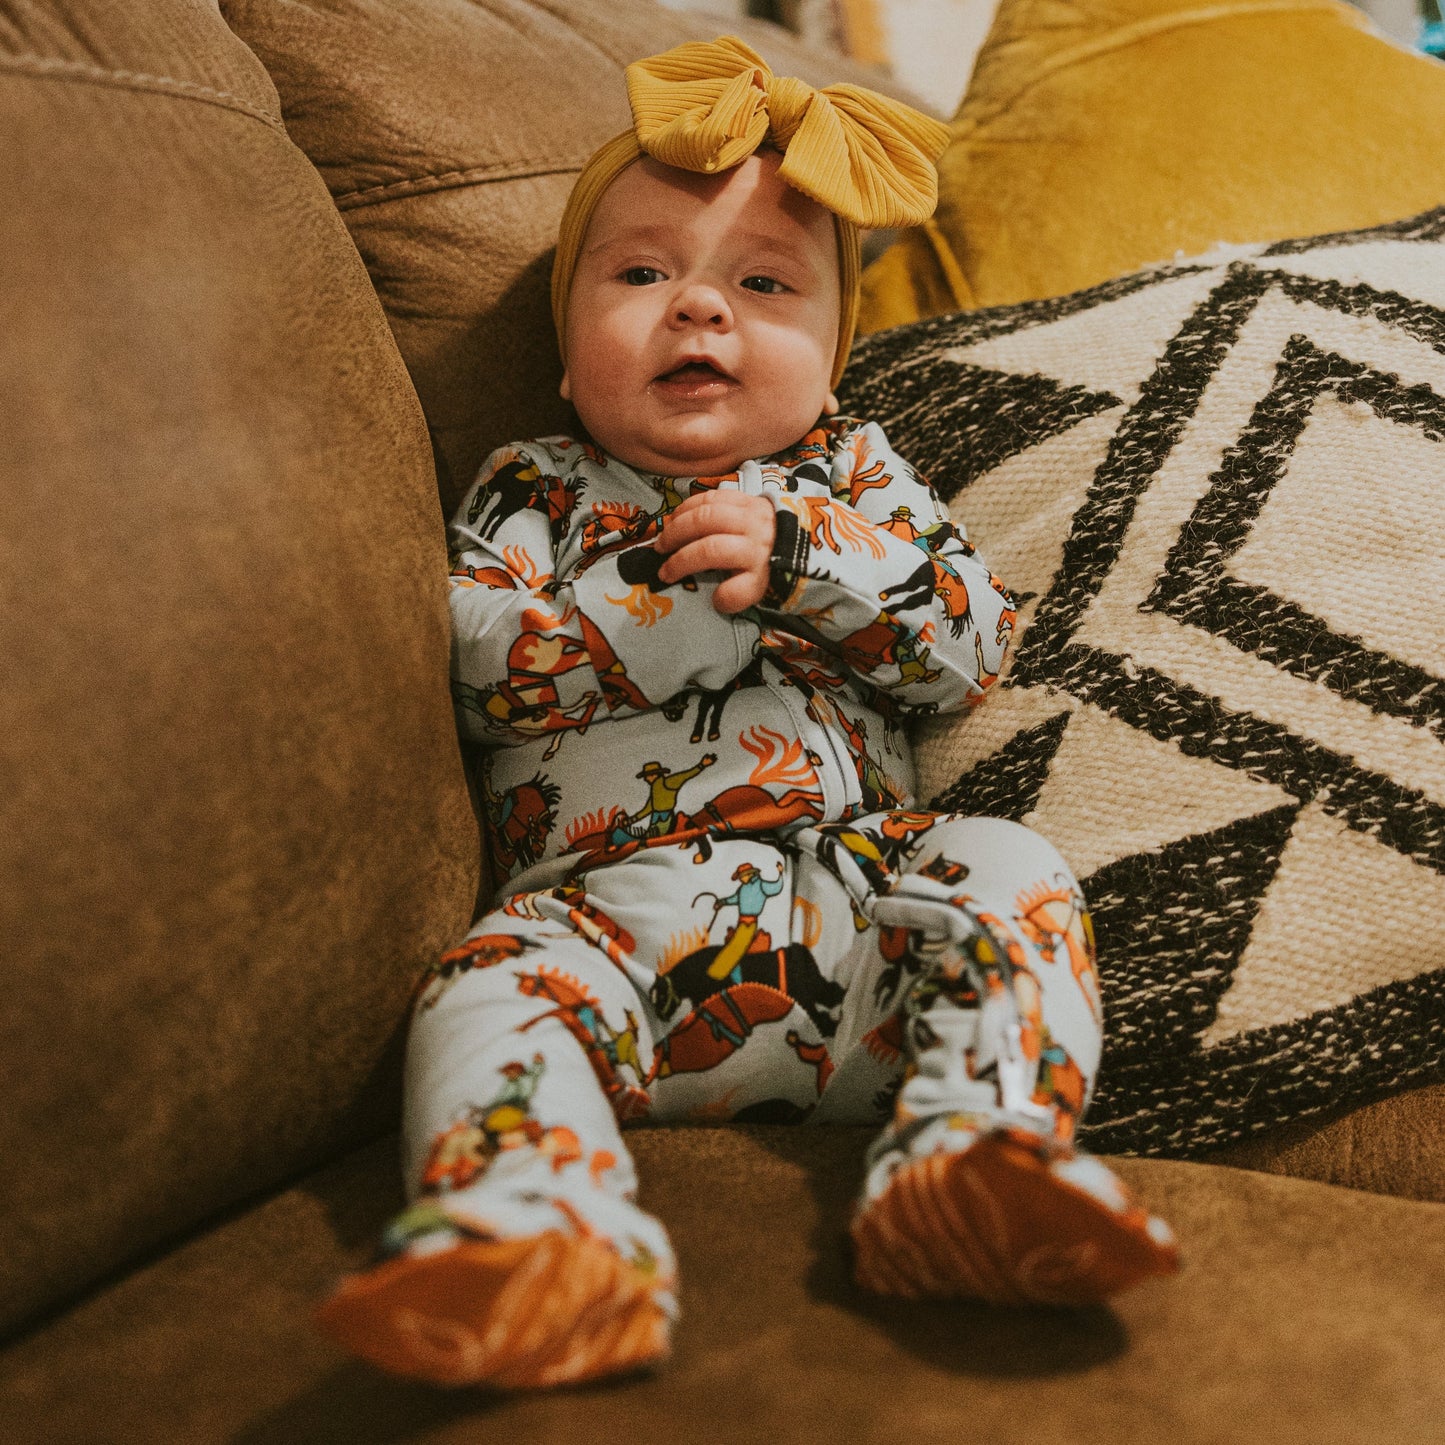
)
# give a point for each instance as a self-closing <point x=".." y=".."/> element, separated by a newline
<point x="741" y="590"/>
<point x="717" y="552"/>
<point x="728" y="512"/>
<point x="719" y="497"/>
<point x="699" y="517"/>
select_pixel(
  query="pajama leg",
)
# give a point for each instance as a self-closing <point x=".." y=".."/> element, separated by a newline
<point x="523" y="1259"/>
<point x="975" y="1187"/>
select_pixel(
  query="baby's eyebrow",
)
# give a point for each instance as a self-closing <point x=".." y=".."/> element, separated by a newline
<point x="629" y="236"/>
<point x="763" y="243"/>
<point x="767" y="241"/>
<point x="769" y="247"/>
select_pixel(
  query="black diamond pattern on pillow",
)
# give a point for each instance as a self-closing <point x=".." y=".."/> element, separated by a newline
<point x="996" y="416"/>
<point x="903" y="375"/>
<point x="1170" y="967"/>
<point x="1007" y="784"/>
<point x="1196" y="588"/>
<point x="1270" y="968"/>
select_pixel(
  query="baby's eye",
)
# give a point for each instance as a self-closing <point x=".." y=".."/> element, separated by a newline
<point x="641" y="275"/>
<point x="764" y="285"/>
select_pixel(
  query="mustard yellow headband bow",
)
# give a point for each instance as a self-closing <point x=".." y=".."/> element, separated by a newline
<point x="708" y="105"/>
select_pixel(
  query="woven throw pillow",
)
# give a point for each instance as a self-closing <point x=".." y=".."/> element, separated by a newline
<point x="1218" y="489"/>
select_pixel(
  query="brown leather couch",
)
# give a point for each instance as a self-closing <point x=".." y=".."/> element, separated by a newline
<point x="236" y="824"/>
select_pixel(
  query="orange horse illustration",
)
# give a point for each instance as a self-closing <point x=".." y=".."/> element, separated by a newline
<point x="607" y="1049"/>
<point x="460" y="1153"/>
<point x="864" y="479"/>
<point x="529" y="700"/>
<point x="519" y="573"/>
<point x="1053" y="916"/>
<point x="484" y="951"/>
<point x="717" y="1029"/>
<point x="610" y="522"/>
<point x="743" y="808"/>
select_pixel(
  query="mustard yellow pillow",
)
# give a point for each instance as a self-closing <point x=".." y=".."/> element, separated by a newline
<point x="1099" y="136"/>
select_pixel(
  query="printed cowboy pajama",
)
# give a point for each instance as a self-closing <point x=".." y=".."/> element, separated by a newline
<point x="908" y="966"/>
<point x="719" y="902"/>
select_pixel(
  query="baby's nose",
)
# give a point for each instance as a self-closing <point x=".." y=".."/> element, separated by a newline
<point x="699" y="313"/>
<point x="701" y="306"/>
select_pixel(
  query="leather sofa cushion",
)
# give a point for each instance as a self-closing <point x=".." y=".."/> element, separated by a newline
<point x="449" y="133"/>
<point x="1303" y="1312"/>
<point x="1394" y="1145"/>
<point x="235" y="827"/>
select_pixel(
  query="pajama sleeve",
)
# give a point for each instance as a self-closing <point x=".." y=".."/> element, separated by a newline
<point x="880" y="576"/>
<point x="536" y="652"/>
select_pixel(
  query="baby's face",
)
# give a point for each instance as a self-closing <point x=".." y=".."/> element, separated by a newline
<point x="703" y="317"/>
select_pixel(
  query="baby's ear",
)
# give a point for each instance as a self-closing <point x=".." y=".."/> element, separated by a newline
<point x="566" y="389"/>
<point x="830" y="402"/>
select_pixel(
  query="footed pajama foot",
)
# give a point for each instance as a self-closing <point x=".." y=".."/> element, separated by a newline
<point x="456" y="1305"/>
<point x="1007" y="1218"/>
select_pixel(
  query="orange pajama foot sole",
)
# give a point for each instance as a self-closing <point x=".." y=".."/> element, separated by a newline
<point x="549" y="1309"/>
<point x="992" y="1223"/>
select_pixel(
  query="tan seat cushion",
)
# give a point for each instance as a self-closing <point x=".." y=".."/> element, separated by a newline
<point x="1394" y="1145"/>
<point x="449" y="133"/>
<point x="234" y="825"/>
<point x="1304" y="1312"/>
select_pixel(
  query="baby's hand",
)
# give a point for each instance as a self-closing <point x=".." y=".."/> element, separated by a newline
<point x="721" y="532"/>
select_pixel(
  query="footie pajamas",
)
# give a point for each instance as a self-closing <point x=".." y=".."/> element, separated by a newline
<point x="935" y="972"/>
<point x="723" y="906"/>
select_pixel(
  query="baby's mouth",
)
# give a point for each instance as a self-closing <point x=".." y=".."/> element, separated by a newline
<point x="694" y="376"/>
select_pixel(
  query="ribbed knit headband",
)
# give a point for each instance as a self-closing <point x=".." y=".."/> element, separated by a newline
<point x="707" y="106"/>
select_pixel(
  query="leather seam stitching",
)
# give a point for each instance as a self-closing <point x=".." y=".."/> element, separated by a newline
<point x="47" y="67"/>
<point x="451" y="180"/>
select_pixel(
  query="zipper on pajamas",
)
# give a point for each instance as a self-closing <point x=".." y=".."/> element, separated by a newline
<point x="841" y="789"/>
<point x="843" y="765"/>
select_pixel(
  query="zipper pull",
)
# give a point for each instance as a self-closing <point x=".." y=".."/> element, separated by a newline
<point x="750" y="479"/>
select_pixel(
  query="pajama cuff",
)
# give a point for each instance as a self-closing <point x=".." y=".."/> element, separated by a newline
<point x="789" y="562"/>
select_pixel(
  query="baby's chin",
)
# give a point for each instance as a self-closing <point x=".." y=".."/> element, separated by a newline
<point x="700" y="454"/>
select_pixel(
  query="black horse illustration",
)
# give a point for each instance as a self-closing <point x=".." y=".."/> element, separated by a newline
<point x="712" y="701"/>
<point x="792" y="971"/>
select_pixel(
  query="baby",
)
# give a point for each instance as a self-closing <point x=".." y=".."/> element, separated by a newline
<point x="691" y="638"/>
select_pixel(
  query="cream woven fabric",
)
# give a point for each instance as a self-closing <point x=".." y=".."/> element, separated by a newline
<point x="1219" y="489"/>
